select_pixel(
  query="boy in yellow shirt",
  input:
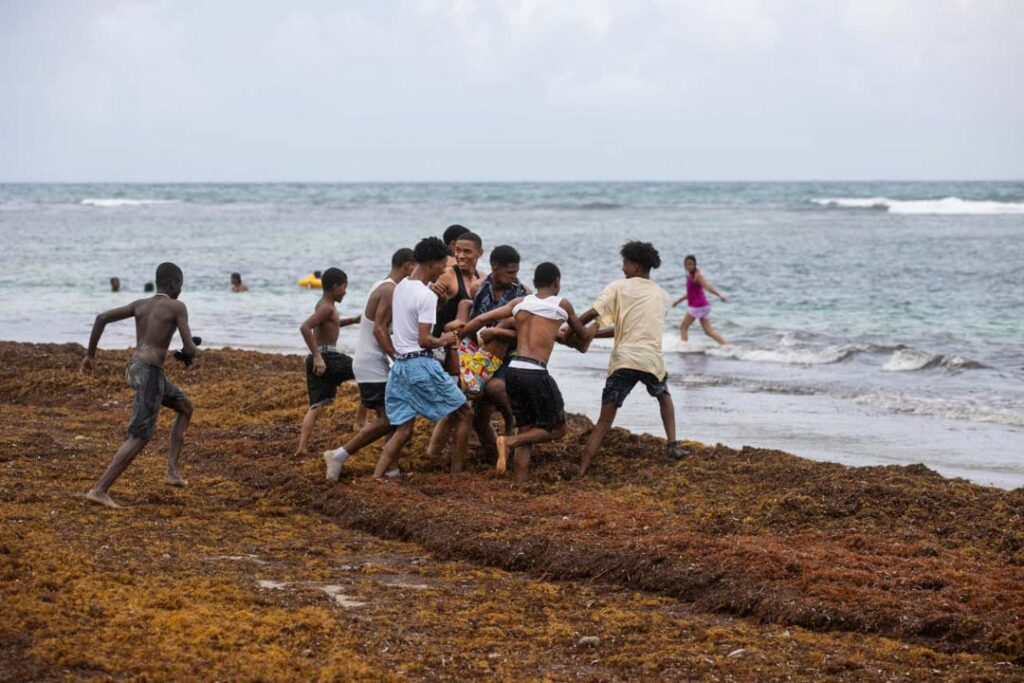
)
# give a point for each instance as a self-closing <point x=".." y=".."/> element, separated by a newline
<point x="637" y="307"/>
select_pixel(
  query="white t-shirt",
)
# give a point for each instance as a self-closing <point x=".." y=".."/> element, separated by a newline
<point x="412" y="303"/>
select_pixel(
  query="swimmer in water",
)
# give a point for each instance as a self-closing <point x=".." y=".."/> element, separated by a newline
<point x="697" y="305"/>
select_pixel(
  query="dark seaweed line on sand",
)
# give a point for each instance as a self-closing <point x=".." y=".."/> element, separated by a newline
<point x="410" y="515"/>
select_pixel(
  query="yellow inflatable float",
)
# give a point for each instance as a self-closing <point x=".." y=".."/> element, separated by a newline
<point x="311" y="281"/>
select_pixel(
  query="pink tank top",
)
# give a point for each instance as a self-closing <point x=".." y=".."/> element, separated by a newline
<point x="694" y="292"/>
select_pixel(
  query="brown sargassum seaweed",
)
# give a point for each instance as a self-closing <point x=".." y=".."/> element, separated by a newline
<point x="729" y="565"/>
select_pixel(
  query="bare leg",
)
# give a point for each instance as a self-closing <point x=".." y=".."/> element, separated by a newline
<point x="531" y="436"/>
<point x="370" y="432"/>
<point x="482" y="424"/>
<point x="439" y="437"/>
<point x="668" y="416"/>
<point x="596" y="438"/>
<point x="308" y="423"/>
<point x="710" y="331"/>
<point x="393" y="448"/>
<point x="522" y="463"/>
<point x="684" y="327"/>
<point x="463" y="418"/>
<point x="124" y="456"/>
<point x="495" y="391"/>
<point x="183" y="408"/>
<point x="361" y="416"/>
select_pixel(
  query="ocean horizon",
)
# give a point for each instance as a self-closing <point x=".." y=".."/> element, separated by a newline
<point x="869" y="322"/>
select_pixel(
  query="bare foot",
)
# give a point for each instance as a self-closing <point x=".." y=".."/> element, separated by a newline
<point x="302" y="453"/>
<point x="175" y="480"/>
<point x="591" y="334"/>
<point x="101" y="498"/>
<point x="502" y="454"/>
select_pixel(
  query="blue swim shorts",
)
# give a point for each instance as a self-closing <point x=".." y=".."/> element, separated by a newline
<point x="419" y="386"/>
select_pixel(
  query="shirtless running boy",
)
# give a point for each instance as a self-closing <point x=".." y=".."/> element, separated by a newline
<point x="157" y="318"/>
<point x="326" y="368"/>
<point x="372" y="362"/>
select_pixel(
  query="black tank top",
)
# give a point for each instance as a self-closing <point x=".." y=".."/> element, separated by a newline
<point x="447" y="311"/>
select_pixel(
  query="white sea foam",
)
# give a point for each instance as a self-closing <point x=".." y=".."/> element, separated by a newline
<point x="789" y="355"/>
<point x="957" y="410"/>
<point x="909" y="360"/>
<point x="110" y="202"/>
<point x="947" y="205"/>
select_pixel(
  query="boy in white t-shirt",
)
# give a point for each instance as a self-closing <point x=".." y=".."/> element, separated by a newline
<point x="417" y="384"/>
<point x="637" y="308"/>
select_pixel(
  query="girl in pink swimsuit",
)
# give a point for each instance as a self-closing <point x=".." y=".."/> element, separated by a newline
<point x="698" y="307"/>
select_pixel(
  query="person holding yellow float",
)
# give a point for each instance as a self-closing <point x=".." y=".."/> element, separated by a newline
<point x="311" y="281"/>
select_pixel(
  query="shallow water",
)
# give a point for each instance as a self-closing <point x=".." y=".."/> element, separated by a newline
<point x="869" y="322"/>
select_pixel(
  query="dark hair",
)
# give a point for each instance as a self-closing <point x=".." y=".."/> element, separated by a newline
<point x="545" y="275"/>
<point x="317" y="274"/>
<point x="401" y="257"/>
<point x="430" y="249"/>
<point x="236" y="276"/>
<point x="168" y="275"/>
<point x="691" y="257"/>
<point x="453" y="233"/>
<point x="332" y="278"/>
<point x="471" y="237"/>
<point x="504" y="255"/>
<point x="641" y="253"/>
<point x="148" y="287"/>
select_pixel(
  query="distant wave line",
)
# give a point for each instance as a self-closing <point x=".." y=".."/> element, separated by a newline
<point x="111" y="201"/>
<point x="946" y="205"/>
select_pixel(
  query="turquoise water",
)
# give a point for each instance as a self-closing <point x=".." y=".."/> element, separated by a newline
<point x="894" y="307"/>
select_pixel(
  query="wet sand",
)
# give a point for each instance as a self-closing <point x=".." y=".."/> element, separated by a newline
<point x="732" y="564"/>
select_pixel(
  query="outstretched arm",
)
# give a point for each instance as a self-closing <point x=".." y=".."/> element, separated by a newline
<point x="188" y="347"/>
<point x="113" y="315"/>
<point x="345" y="322"/>
<point x="588" y="317"/>
<point x="679" y="300"/>
<point x="707" y="285"/>
<point x="500" y="313"/>
<point x="574" y="323"/>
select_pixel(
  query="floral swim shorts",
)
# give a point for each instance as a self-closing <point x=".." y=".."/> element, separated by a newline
<point x="476" y="366"/>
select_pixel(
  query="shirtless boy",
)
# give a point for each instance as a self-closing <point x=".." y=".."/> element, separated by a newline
<point x="372" y="362"/>
<point x="637" y="308"/>
<point x="157" y="318"/>
<point x="417" y="385"/>
<point x="326" y="368"/>
<point x="536" y="400"/>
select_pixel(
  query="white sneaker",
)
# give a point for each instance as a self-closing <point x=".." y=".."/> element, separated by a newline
<point x="334" y="464"/>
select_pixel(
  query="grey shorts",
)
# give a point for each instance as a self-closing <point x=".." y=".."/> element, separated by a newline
<point x="152" y="390"/>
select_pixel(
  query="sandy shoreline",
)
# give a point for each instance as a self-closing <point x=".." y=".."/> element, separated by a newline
<point x="750" y="564"/>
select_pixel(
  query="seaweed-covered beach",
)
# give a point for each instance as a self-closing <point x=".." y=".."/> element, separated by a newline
<point x="729" y="565"/>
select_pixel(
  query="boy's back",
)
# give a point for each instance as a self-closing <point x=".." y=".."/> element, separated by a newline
<point x="156" y="321"/>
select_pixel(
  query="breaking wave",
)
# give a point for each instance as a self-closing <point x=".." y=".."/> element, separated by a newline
<point x="909" y="360"/>
<point x="947" y="205"/>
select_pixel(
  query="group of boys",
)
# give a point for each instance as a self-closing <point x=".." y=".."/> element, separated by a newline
<point x="433" y="336"/>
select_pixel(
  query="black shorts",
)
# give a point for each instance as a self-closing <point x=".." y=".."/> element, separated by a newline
<point x="152" y="390"/>
<point x="323" y="388"/>
<point x="621" y="382"/>
<point x="536" y="400"/>
<point x="371" y="394"/>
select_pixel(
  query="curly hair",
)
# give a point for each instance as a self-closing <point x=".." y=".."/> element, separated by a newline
<point x="430" y="249"/>
<point x="643" y="254"/>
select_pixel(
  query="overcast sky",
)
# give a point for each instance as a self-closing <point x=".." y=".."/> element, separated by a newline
<point x="516" y="90"/>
